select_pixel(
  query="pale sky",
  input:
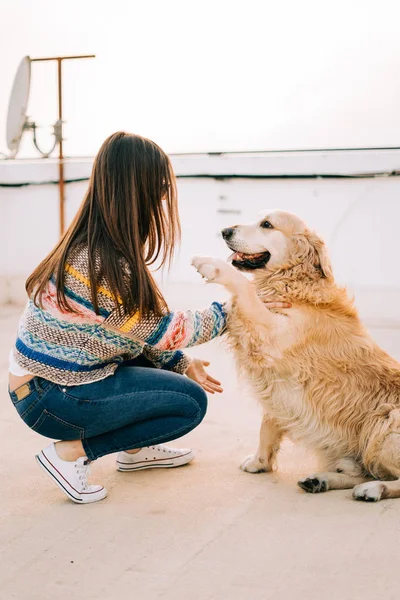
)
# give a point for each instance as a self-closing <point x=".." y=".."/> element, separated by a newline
<point x="210" y="75"/>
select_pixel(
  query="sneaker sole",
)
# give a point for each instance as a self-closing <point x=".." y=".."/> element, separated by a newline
<point x="50" y="471"/>
<point x="155" y="464"/>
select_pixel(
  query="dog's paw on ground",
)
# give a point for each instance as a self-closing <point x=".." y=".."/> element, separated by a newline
<point x="251" y="464"/>
<point x="369" y="492"/>
<point x="313" y="484"/>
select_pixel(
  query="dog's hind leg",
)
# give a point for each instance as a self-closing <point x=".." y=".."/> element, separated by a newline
<point x="265" y="458"/>
<point x="386" y="461"/>
<point x="377" y="490"/>
<point x="346" y="475"/>
<point x="382" y="457"/>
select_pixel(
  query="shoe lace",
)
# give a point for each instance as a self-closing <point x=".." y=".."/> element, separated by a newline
<point x="82" y="470"/>
<point x="162" y="448"/>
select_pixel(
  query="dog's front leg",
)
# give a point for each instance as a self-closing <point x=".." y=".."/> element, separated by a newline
<point x="244" y="295"/>
<point x="264" y="460"/>
<point x="251" y="325"/>
<point x="215" y="270"/>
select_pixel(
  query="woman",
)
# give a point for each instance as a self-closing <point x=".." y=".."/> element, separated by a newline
<point x="96" y="321"/>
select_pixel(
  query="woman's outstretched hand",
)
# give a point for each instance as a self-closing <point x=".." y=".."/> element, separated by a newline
<point x="197" y="372"/>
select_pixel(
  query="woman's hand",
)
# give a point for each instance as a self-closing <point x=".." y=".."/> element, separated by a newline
<point x="272" y="304"/>
<point x="197" y="372"/>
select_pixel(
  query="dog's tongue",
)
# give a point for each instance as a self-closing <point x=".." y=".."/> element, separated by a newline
<point x="242" y="256"/>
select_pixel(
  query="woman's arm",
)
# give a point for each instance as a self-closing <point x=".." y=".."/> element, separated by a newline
<point x="174" y="331"/>
<point x="169" y="360"/>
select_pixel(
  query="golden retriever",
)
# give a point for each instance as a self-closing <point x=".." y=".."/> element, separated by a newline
<point x="320" y="377"/>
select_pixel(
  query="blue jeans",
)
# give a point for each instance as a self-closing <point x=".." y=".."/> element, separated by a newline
<point x="137" y="406"/>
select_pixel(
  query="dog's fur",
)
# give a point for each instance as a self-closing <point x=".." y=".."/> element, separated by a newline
<point x="320" y="377"/>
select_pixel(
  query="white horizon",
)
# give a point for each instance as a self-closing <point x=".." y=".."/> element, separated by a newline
<point x="210" y="76"/>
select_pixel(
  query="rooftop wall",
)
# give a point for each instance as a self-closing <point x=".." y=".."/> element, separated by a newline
<point x="357" y="216"/>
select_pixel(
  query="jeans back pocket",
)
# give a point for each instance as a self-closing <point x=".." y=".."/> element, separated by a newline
<point x="25" y="399"/>
<point x="53" y="427"/>
<point x="30" y="401"/>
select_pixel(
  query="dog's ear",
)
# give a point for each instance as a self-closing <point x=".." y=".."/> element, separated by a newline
<point x="323" y="261"/>
<point x="311" y="251"/>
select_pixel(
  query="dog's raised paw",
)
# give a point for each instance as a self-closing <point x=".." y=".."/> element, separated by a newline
<point x="372" y="491"/>
<point x="216" y="270"/>
<point x="251" y="464"/>
<point x="313" y="484"/>
<point x="206" y="266"/>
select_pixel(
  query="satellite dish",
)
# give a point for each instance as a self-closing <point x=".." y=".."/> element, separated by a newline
<point x="16" y="118"/>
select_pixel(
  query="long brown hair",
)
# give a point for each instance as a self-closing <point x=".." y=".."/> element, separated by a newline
<point x="129" y="213"/>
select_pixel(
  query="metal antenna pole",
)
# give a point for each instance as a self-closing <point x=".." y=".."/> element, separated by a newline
<point x="61" y="186"/>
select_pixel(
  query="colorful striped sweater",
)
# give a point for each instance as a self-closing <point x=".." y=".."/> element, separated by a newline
<point x="76" y="348"/>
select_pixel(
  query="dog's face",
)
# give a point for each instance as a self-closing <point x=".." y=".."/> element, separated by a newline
<point x="274" y="240"/>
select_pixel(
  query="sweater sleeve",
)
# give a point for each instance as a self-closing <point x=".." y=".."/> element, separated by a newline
<point x="175" y="330"/>
<point x="170" y="360"/>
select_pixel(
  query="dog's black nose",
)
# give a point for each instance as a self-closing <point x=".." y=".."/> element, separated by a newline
<point x="227" y="233"/>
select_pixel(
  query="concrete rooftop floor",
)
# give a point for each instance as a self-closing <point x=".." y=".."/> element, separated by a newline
<point x="207" y="531"/>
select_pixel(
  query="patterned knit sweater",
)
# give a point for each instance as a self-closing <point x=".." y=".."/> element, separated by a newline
<point x="76" y="348"/>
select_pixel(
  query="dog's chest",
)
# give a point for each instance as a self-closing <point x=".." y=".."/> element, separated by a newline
<point x="286" y="402"/>
<point x="280" y="397"/>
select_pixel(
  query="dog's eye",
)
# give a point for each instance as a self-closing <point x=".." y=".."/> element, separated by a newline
<point x="266" y="225"/>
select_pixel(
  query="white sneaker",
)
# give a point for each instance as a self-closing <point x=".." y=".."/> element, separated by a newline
<point x="154" y="457"/>
<point x="71" y="477"/>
